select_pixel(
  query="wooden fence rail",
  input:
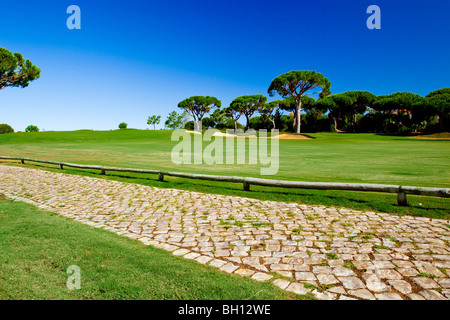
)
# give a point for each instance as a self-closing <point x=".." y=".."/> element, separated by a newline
<point x="401" y="191"/>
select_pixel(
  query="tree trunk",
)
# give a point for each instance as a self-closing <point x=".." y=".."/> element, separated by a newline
<point x="235" y="125"/>
<point x="196" y="125"/>
<point x="248" y="123"/>
<point x="335" y="124"/>
<point x="273" y="121"/>
<point x="298" y="115"/>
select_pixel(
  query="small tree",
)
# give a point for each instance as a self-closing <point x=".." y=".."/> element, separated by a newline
<point x="199" y="106"/>
<point x="296" y="84"/>
<point x="176" y="120"/>
<point x="439" y="102"/>
<point x="248" y="105"/>
<point x="338" y="106"/>
<point x="271" y="110"/>
<point x="154" y="120"/>
<point x="31" y="128"/>
<point x="123" y="125"/>
<point x="234" y="113"/>
<point x="397" y="108"/>
<point x="6" y="128"/>
<point x="361" y="100"/>
<point x="290" y="105"/>
<point x="15" y="71"/>
<point x="220" y="119"/>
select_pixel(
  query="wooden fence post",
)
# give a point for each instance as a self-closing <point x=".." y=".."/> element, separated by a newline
<point x="103" y="172"/>
<point x="246" y="186"/>
<point x="160" y="176"/>
<point x="22" y="161"/>
<point x="61" y="166"/>
<point x="401" y="197"/>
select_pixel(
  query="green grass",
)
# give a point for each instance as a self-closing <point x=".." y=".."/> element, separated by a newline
<point x="356" y="158"/>
<point x="37" y="247"/>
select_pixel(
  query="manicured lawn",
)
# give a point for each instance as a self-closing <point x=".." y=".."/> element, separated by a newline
<point x="363" y="158"/>
<point x="37" y="247"/>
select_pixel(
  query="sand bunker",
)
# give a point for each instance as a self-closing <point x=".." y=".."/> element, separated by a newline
<point x="293" y="136"/>
<point x="286" y="136"/>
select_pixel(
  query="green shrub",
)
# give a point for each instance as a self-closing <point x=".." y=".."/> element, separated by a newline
<point x="6" y="128"/>
<point x="405" y="130"/>
<point x="123" y="125"/>
<point x="31" y="128"/>
<point x="189" y="125"/>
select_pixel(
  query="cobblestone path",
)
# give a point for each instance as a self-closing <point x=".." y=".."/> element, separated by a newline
<point x="334" y="254"/>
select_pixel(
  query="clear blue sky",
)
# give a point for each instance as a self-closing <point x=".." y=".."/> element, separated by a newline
<point x="132" y="59"/>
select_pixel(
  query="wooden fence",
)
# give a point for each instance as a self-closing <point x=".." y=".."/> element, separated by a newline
<point x="401" y="191"/>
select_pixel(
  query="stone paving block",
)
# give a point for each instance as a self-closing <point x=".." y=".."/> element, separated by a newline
<point x="389" y="274"/>
<point x="281" y="283"/>
<point x="297" y="288"/>
<point x="402" y="264"/>
<point x="401" y="285"/>
<point x="388" y="296"/>
<point x="415" y="296"/>
<point x="338" y="290"/>
<point x="203" y="259"/>
<point x="383" y="264"/>
<point x="251" y="260"/>
<point x="321" y="270"/>
<point x="281" y="267"/>
<point x="444" y="282"/>
<point x="429" y="269"/>
<point x="288" y="274"/>
<point x="446" y="293"/>
<point x="335" y="263"/>
<point x="324" y="295"/>
<point x="260" y="276"/>
<point x="180" y="252"/>
<point x="191" y="255"/>
<point x="425" y="282"/>
<point x="244" y="272"/>
<point x="305" y="276"/>
<point x="361" y="257"/>
<point x="217" y="263"/>
<point x="375" y="284"/>
<point x="342" y="272"/>
<point x="362" y="294"/>
<point x="351" y="283"/>
<point x="408" y="272"/>
<point x="432" y="295"/>
<point x="236" y="260"/>
<point x="327" y="279"/>
<point x="229" y="267"/>
<point x="261" y="253"/>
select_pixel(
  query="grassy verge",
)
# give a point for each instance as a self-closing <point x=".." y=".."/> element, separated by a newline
<point x="37" y="247"/>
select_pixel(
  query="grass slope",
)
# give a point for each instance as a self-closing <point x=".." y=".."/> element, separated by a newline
<point x="37" y="247"/>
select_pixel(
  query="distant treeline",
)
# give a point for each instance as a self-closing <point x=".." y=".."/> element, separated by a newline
<point x="351" y="111"/>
